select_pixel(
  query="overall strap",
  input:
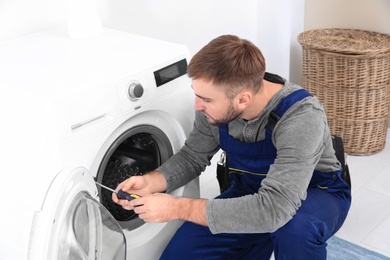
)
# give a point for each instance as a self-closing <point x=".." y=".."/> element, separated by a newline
<point x="284" y="105"/>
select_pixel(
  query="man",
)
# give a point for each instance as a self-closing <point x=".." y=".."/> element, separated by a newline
<point x="286" y="196"/>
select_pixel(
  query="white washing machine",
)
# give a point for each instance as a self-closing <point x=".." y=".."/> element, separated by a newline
<point x="76" y="111"/>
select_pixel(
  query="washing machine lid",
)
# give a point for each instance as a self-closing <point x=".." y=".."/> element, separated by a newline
<point x="73" y="224"/>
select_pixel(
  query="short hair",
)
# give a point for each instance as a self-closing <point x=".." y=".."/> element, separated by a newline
<point x="231" y="62"/>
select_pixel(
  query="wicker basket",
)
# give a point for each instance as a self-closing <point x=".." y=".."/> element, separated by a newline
<point x="349" y="71"/>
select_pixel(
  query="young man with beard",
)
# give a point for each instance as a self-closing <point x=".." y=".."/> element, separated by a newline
<point x="286" y="196"/>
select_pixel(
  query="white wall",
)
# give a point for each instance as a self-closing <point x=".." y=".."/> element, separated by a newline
<point x="272" y="25"/>
<point x="19" y="17"/>
<point x="371" y="15"/>
<point x="279" y="23"/>
<point x="193" y="23"/>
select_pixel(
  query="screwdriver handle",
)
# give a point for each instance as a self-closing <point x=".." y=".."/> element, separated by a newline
<point x="127" y="196"/>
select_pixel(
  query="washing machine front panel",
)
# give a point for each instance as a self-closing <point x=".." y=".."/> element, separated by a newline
<point x="167" y="108"/>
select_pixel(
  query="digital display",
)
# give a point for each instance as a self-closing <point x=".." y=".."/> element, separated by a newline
<point x="170" y="72"/>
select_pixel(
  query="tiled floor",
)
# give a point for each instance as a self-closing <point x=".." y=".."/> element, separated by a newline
<point x="368" y="222"/>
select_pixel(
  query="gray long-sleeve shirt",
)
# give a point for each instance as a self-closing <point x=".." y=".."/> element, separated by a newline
<point x="303" y="143"/>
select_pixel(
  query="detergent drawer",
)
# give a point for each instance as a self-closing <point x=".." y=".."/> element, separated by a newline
<point x="87" y="110"/>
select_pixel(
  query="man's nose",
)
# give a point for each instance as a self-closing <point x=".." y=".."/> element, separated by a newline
<point x="198" y="104"/>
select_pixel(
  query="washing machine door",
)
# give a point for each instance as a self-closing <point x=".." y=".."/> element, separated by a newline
<point x="90" y="232"/>
<point x="73" y="224"/>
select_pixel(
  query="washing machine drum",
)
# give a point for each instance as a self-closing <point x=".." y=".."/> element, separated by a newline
<point x="138" y="151"/>
<point x="116" y="172"/>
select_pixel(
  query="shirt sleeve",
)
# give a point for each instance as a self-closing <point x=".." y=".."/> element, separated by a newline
<point x="299" y="138"/>
<point x="193" y="157"/>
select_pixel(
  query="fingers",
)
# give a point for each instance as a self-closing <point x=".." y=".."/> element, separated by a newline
<point x="128" y="208"/>
<point x="153" y="208"/>
<point x="126" y="186"/>
<point x="121" y="186"/>
<point x="114" y="197"/>
<point x="150" y="207"/>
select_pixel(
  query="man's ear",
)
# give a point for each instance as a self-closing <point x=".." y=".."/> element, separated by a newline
<point x="244" y="99"/>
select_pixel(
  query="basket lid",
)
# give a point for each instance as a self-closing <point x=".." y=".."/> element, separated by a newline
<point x="346" y="41"/>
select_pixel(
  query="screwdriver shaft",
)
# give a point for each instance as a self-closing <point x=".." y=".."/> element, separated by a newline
<point x="101" y="185"/>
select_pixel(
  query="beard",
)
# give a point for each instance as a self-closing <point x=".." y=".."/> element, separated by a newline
<point x="230" y="115"/>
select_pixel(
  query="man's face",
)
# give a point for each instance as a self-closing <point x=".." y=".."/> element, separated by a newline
<point x="213" y="103"/>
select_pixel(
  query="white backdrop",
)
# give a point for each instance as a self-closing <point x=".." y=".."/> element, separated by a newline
<point x="193" y="23"/>
<point x="268" y="24"/>
<point x="272" y="25"/>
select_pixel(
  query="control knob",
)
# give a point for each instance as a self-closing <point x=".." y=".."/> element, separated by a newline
<point x="135" y="90"/>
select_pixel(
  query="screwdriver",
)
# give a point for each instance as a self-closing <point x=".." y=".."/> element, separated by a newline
<point x="121" y="194"/>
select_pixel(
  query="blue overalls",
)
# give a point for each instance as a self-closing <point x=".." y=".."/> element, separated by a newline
<point x="303" y="237"/>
